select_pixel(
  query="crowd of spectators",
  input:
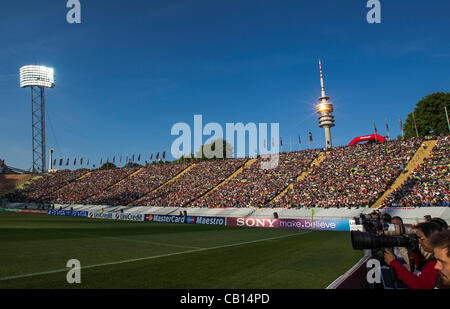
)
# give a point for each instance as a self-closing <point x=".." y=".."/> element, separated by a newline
<point x="255" y="186"/>
<point x="91" y="184"/>
<point x="349" y="176"/>
<point x="137" y="185"/>
<point x="429" y="183"/>
<point x="354" y="176"/>
<point x="39" y="188"/>
<point x="198" y="180"/>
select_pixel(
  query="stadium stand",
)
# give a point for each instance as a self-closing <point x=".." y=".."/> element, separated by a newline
<point x="316" y="162"/>
<point x="429" y="184"/>
<point x="9" y="182"/>
<point x="197" y="181"/>
<point x="88" y="185"/>
<point x="421" y="154"/>
<point x="352" y="177"/>
<point x="254" y="187"/>
<point x="136" y="186"/>
<point x="40" y="186"/>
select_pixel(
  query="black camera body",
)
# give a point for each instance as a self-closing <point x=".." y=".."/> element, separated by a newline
<point x="372" y="223"/>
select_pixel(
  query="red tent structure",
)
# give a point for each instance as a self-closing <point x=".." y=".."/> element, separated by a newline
<point x="365" y="138"/>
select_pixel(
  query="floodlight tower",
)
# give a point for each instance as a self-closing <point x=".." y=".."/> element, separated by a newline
<point x="37" y="78"/>
<point x="325" y="109"/>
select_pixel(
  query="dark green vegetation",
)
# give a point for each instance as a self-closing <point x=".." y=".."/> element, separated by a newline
<point x="430" y="116"/>
<point x="170" y="256"/>
<point x="216" y="150"/>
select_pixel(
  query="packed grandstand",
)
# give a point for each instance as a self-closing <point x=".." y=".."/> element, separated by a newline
<point x="349" y="176"/>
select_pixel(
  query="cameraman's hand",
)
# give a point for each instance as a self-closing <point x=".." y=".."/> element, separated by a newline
<point x="388" y="256"/>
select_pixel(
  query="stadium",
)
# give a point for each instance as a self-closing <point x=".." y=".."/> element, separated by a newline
<point x="192" y="220"/>
<point x="144" y="217"/>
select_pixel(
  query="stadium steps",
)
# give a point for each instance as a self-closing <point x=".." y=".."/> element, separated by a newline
<point x="164" y="184"/>
<point x="418" y="158"/>
<point x="117" y="183"/>
<point x="9" y="182"/>
<point x="317" y="161"/>
<point x="237" y="172"/>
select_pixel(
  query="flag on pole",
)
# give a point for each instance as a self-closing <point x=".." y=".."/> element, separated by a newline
<point x="151" y="157"/>
<point x="67" y="163"/>
<point x="157" y="156"/>
<point x="164" y="155"/>
<point x="299" y="140"/>
<point x="120" y="159"/>
<point x="387" y="129"/>
<point x="101" y="161"/>
<point x="415" y="125"/>
<point x="81" y="161"/>
<point x="132" y="158"/>
<point x="310" y="137"/>
<point x="446" y="114"/>
<point x="281" y="141"/>
<point x="401" y="126"/>
<point x="54" y="162"/>
<point x="60" y="162"/>
<point x="139" y="158"/>
<point x="375" y="128"/>
<point x="88" y="162"/>
<point x="75" y="162"/>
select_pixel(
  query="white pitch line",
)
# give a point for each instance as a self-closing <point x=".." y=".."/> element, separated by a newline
<point x="151" y="257"/>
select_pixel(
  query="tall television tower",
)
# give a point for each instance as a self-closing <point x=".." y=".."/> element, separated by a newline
<point x="37" y="78"/>
<point x="325" y="109"/>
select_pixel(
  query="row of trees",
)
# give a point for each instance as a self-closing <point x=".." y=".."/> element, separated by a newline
<point x="218" y="149"/>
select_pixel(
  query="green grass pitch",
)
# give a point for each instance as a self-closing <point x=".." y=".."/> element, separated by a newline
<point x="34" y="250"/>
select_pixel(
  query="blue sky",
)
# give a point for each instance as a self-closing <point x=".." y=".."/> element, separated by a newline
<point x="132" y="69"/>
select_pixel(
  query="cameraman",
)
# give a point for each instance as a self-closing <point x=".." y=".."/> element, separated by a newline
<point x="441" y="243"/>
<point x="427" y="275"/>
